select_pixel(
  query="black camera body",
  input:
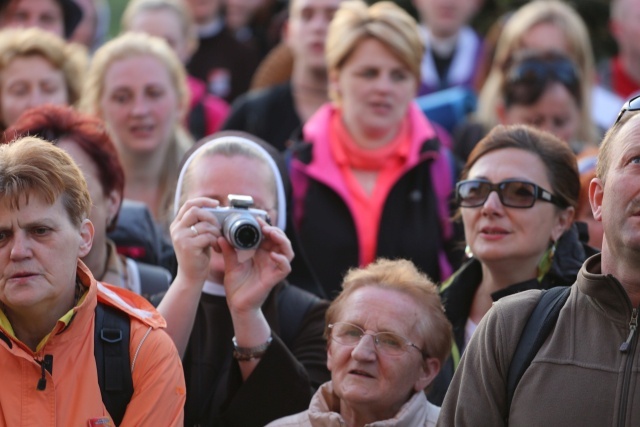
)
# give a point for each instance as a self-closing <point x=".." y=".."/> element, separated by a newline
<point x="239" y="222"/>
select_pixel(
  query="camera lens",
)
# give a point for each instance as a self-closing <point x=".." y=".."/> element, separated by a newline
<point x="246" y="236"/>
<point x="242" y="231"/>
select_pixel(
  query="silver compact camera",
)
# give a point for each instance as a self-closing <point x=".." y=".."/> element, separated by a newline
<point x="239" y="222"/>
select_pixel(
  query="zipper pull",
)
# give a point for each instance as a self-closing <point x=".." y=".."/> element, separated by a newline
<point x="45" y="365"/>
<point x="633" y="325"/>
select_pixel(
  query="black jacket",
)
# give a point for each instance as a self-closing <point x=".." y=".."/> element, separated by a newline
<point x="284" y="380"/>
<point x="269" y="114"/>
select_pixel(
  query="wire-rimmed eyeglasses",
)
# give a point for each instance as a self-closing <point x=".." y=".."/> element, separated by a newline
<point x="388" y="343"/>
<point x="512" y="193"/>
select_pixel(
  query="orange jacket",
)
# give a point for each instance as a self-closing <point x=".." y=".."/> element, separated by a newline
<point x="72" y="395"/>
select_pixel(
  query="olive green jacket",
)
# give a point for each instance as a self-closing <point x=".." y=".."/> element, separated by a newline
<point x="580" y="376"/>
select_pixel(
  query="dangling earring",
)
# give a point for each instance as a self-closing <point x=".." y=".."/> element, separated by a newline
<point x="552" y="251"/>
<point x="467" y="251"/>
<point x="547" y="260"/>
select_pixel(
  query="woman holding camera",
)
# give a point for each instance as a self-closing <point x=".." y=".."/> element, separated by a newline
<point x="252" y="345"/>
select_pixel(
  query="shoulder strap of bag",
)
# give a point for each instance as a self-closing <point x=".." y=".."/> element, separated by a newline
<point x="111" y="351"/>
<point x="537" y="329"/>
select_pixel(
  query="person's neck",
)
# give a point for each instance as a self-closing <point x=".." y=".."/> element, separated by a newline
<point x="97" y="260"/>
<point x="442" y="44"/>
<point x="371" y="140"/>
<point x="496" y="277"/>
<point x="631" y="66"/>
<point x="625" y="267"/>
<point x="309" y="88"/>
<point x="144" y="174"/>
<point x="32" y="325"/>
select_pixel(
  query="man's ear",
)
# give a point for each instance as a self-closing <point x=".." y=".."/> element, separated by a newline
<point x="596" y="193"/>
<point x="86" y="237"/>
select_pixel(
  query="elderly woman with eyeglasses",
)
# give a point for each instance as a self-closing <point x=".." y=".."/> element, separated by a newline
<point x="517" y="200"/>
<point x="388" y="336"/>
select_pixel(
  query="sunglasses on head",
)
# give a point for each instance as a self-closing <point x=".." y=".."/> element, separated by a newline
<point x="631" y="105"/>
<point x="526" y="79"/>
<point x="540" y="69"/>
<point x="472" y="193"/>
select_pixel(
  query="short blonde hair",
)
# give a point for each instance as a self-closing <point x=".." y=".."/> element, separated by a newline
<point x="575" y="31"/>
<point x="70" y="58"/>
<point x="31" y="166"/>
<point x="401" y="275"/>
<point x="385" y="22"/>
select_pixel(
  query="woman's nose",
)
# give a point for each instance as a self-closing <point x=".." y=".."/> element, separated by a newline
<point x="20" y="248"/>
<point x="365" y="350"/>
<point x="493" y="203"/>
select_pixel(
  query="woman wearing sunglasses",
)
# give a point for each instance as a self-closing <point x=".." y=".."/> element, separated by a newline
<point x="517" y="200"/>
<point x="541" y="89"/>
<point x="544" y="26"/>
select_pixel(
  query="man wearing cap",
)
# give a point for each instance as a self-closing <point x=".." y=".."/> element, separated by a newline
<point x="60" y="17"/>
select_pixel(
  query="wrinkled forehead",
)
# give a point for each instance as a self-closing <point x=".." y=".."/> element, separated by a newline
<point x="628" y="136"/>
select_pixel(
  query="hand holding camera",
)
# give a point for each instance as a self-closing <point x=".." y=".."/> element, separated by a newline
<point x="239" y="222"/>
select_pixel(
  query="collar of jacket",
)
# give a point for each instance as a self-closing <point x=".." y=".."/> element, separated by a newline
<point x="312" y="153"/>
<point x="607" y="294"/>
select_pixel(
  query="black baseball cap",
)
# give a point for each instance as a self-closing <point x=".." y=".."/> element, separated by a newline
<point x="71" y="13"/>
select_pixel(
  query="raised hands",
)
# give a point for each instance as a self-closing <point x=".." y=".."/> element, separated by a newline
<point x="247" y="282"/>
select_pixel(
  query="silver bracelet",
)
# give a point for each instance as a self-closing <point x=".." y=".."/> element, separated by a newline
<point x="244" y="354"/>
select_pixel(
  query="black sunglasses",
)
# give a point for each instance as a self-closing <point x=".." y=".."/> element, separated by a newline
<point x="631" y="105"/>
<point x="512" y="193"/>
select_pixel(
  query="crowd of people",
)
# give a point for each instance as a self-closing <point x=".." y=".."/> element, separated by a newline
<point x="252" y="213"/>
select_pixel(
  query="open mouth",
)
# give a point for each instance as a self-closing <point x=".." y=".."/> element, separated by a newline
<point x="361" y="373"/>
<point x="141" y="129"/>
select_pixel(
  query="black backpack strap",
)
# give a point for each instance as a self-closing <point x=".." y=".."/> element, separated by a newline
<point x="111" y="351"/>
<point x="537" y="329"/>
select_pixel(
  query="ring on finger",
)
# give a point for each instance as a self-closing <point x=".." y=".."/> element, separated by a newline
<point x="194" y="230"/>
